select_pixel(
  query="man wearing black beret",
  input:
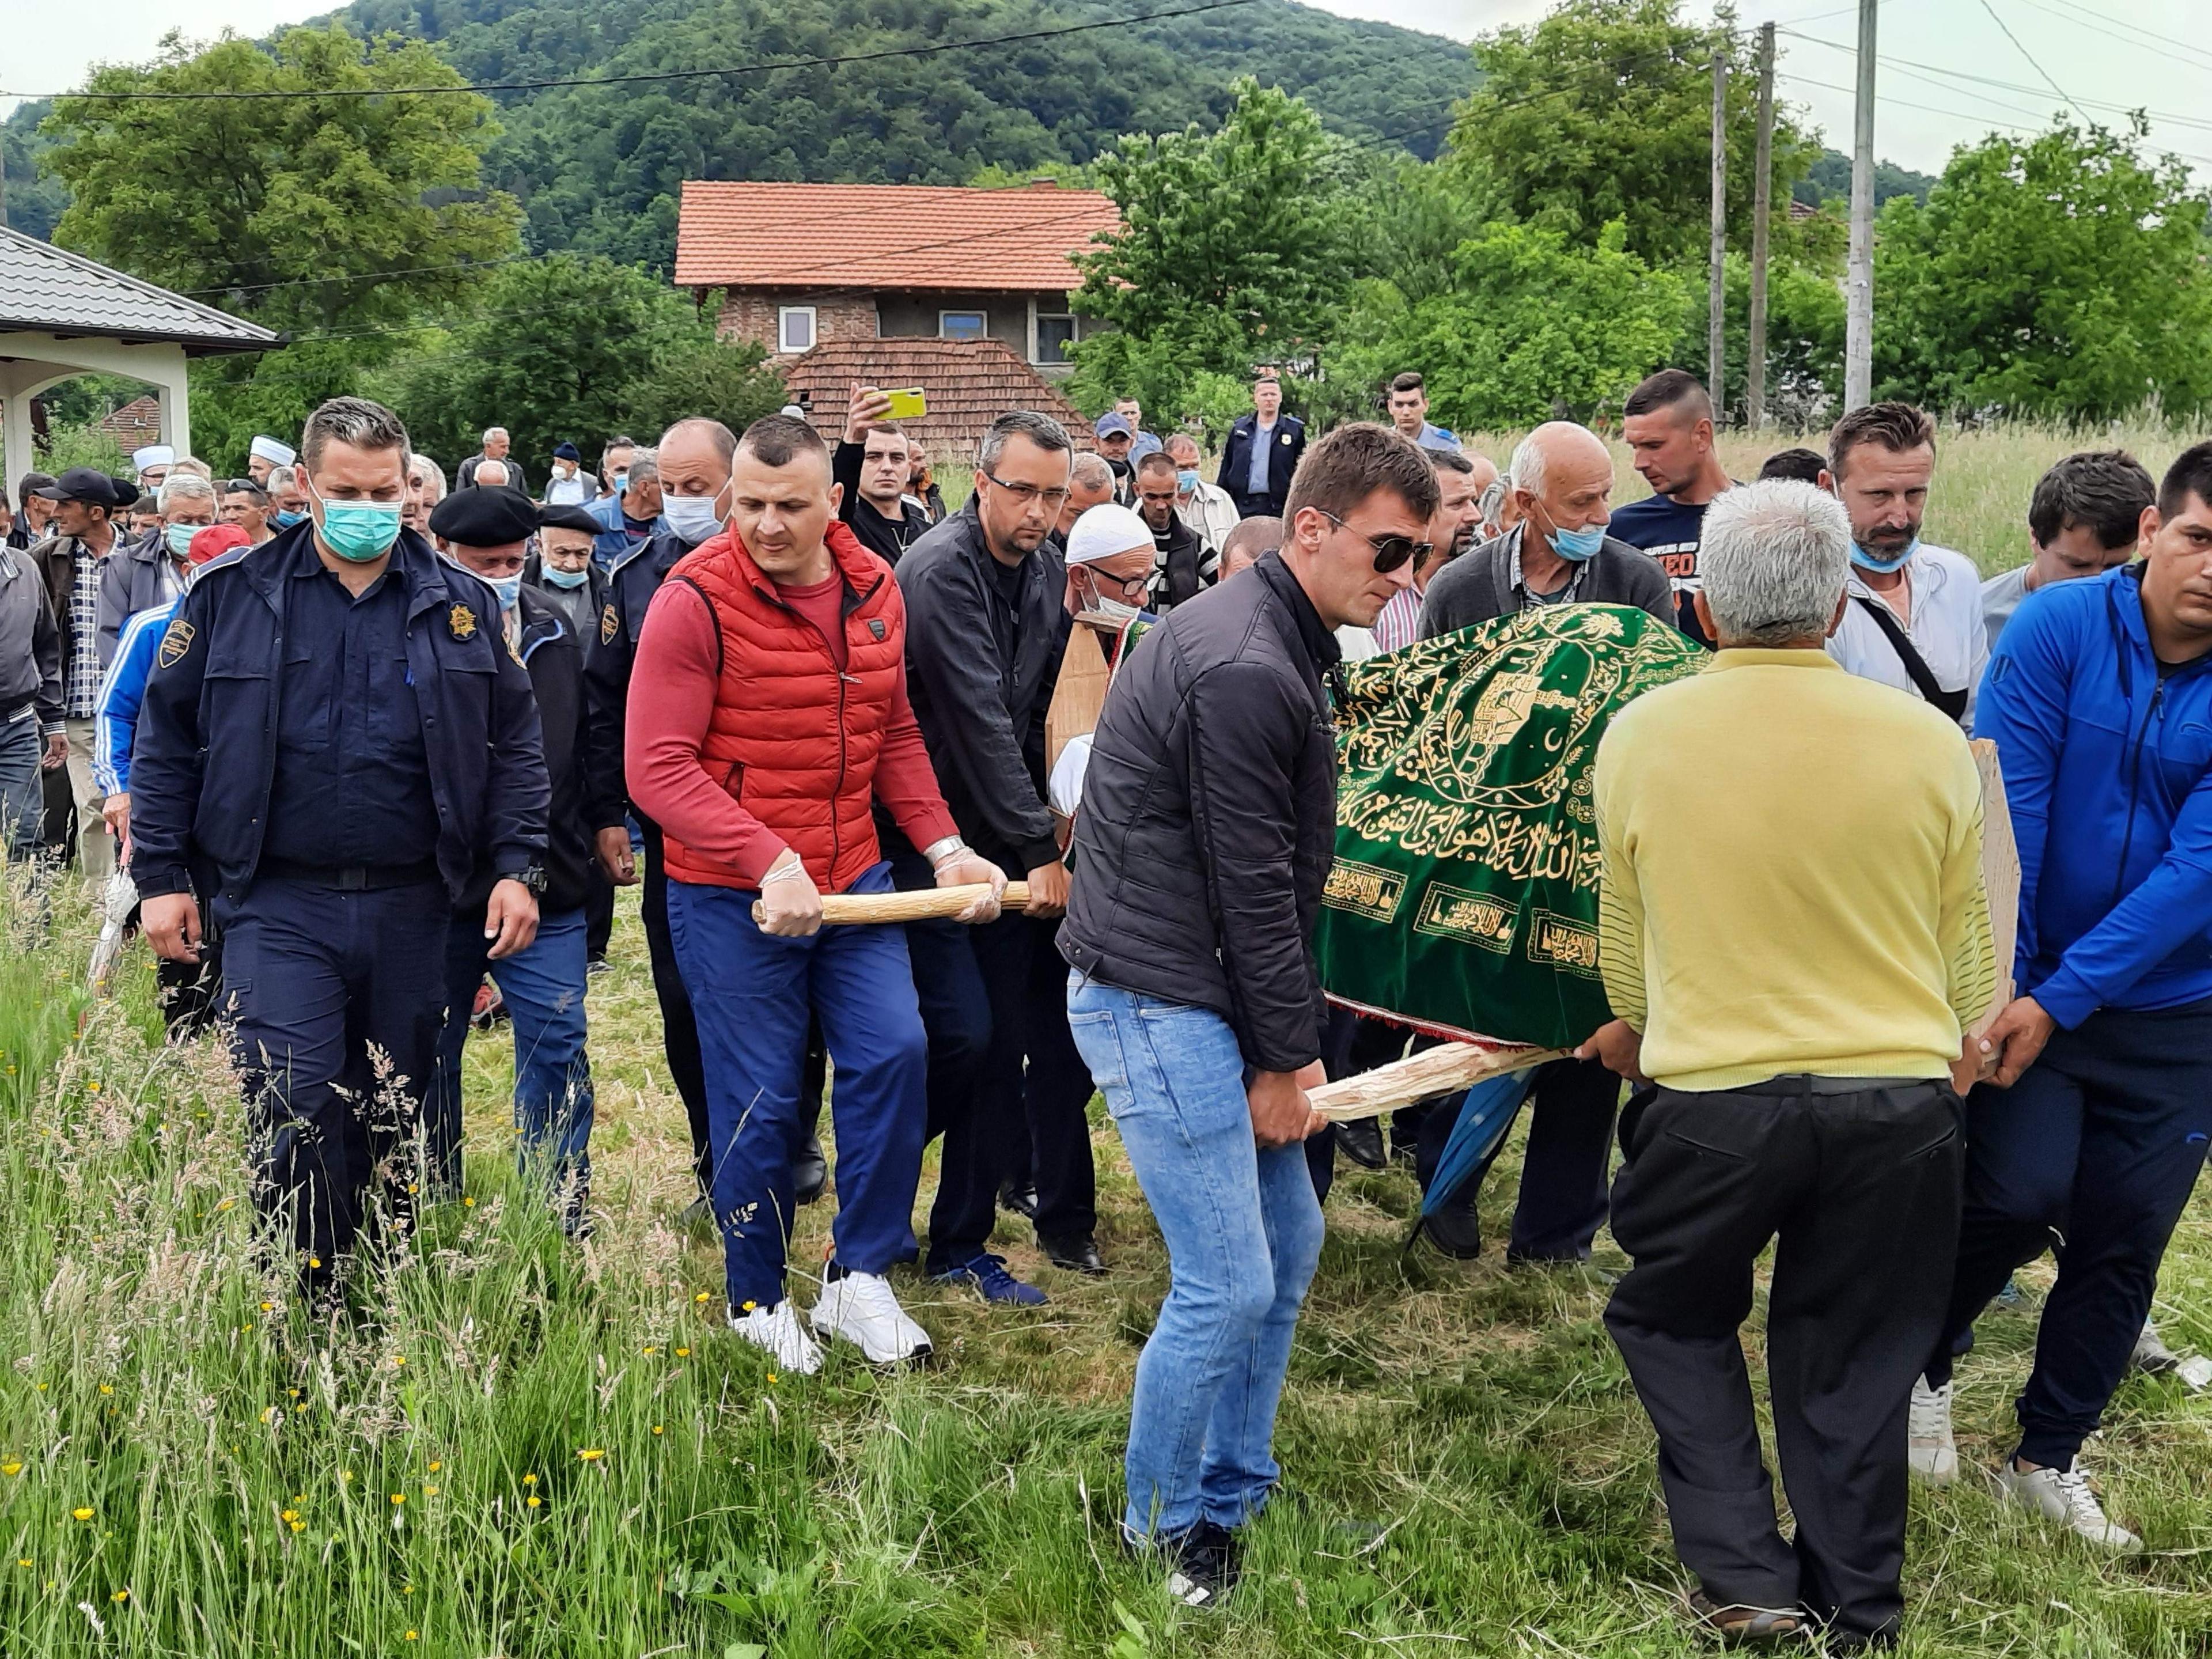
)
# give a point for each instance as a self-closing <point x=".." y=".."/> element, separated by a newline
<point x="486" y="531"/>
<point x="88" y="508"/>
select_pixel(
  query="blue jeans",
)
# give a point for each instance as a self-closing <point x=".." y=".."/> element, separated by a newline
<point x="543" y="988"/>
<point x="754" y="994"/>
<point x="1243" y="1232"/>
<point x="23" y="799"/>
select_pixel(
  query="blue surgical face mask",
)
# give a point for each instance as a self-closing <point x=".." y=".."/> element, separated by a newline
<point x="360" y="531"/>
<point x="567" y="580"/>
<point x="621" y="482"/>
<point x="1578" y="546"/>
<point x="1187" y="480"/>
<point x="693" y="518"/>
<point x="287" y="519"/>
<point x="179" y="537"/>
<point x="509" y="588"/>
<point x="1866" y="561"/>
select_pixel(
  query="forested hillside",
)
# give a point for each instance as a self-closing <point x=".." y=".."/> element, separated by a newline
<point x="599" y="169"/>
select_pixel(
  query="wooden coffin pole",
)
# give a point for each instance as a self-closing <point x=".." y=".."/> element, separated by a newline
<point x="1432" y="1072"/>
<point x="923" y="904"/>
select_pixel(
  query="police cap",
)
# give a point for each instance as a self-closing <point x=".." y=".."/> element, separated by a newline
<point x="485" y="518"/>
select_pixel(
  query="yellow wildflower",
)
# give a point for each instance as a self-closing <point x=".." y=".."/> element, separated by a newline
<point x="82" y="1514"/>
<point x="121" y="1595"/>
<point x="533" y="1500"/>
<point x="399" y="1497"/>
<point x="299" y="1526"/>
<point x="529" y="1479"/>
<point x="11" y="1468"/>
<point x="684" y="1353"/>
<point x="656" y="1428"/>
<point x="703" y="1297"/>
<point x="437" y="1463"/>
<point x="291" y="1515"/>
<point x="104" y="1389"/>
<point x="592" y="1454"/>
<point x="429" y="1492"/>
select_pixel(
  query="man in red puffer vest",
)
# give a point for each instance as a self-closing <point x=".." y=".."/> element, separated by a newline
<point x="768" y="708"/>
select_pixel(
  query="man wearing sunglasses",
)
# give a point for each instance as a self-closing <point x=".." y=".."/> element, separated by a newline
<point x="1207" y="830"/>
<point x="1558" y="553"/>
<point x="986" y="625"/>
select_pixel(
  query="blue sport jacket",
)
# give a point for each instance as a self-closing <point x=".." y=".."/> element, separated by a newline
<point x="206" y="750"/>
<point x="2108" y="775"/>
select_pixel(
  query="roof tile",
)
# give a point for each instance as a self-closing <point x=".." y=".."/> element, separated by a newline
<point x="969" y="384"/>
<point x="44" y="287"/>
<point x="748" y="234"/>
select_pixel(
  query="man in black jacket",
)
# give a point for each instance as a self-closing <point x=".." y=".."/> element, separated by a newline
<point x="543" y="983"/>
<point x="565" y="577"/>
<point x="1183" y="563"/>
<point x="986" y="625"/>
<point x="1558" y="554"/>
<point x="1207" y="830"/>
<point x="1262" y="452"/>
<point x="871" y="466"/>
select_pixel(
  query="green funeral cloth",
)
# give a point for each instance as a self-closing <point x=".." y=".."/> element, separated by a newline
<point x="1464" y="898"/>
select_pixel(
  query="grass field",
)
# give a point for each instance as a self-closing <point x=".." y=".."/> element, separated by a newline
<point x="518" y="1448"/>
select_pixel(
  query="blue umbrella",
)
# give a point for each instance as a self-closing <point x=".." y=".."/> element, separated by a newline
<point x="1486" y="1113"/>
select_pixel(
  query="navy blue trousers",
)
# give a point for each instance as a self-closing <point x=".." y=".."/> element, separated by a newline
<point x="754" y="995"/>
<point x="337" y="999"/>
<point x="2094" y="1151"/>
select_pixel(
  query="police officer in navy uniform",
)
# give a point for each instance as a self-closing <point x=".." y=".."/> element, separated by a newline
<point x="335" y="740"/>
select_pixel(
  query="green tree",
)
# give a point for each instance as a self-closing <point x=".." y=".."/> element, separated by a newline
<point x="1533" y="327"/>
<point x="1233" y="247"/>
<point x="304" y="213"/>
<point x="2061" y="275"/>
<point x="1603" y="111"/>
<point x="1804" y="337"/>
<point x="337" y="219"/>
<point x="576" y="348"/>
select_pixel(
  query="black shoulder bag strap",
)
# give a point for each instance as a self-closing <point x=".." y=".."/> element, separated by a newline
<point x="1952" y="703"/>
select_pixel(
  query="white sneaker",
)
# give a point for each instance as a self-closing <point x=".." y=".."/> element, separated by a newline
<point x="1931" y="1449"/>
<point x="778" y="1330"/>
<point x="2063" y="1496"/>
<point x="2151" y="1356"/>
<point x="861" y="1307"/>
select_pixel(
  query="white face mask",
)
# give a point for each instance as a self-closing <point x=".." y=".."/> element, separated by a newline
<point x="693" y="518"/>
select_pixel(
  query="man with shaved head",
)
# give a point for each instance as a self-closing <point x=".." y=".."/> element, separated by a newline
<point x="1668" y="423"/>
<point x="1559" y="552"/>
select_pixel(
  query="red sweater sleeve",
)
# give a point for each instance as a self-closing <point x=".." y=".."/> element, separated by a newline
<point x="671" y="699"/>
<point x="905" y="781"/>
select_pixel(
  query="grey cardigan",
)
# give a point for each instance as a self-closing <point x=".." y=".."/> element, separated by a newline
<point x="1478" y="586"/>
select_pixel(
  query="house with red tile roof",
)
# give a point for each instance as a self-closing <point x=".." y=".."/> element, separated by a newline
<point x="796" y="266"/>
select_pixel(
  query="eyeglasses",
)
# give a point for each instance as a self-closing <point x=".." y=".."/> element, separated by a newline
<point x="1390" y="552"/>
<point x="1130" y="587"/>
<point x="1026" y="493"/>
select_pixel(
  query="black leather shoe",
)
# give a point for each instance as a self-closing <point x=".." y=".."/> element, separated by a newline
<point x="1454" y="1232"/>
<point x="1021" y="1199"/>
<point x="1362" y="1142"/>
<point x="1078" y="1255"/>
<point x="809" y="1171"/>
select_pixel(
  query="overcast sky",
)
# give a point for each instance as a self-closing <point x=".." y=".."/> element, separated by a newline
<point x="1950" y="73"/>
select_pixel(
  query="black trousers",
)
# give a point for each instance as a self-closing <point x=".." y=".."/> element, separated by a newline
<point x="598" y="913"/>
<point x="1861" y="1190"/>
<point x="1563" y="1194"/>
<point x="679" y="1029"/>
<point x="1056" y="1090"/>
<point x="2095" y="1152"/>
<point x="956" y="1017"/>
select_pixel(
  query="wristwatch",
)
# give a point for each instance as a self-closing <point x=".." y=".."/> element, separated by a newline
<point x="532" y="876"/>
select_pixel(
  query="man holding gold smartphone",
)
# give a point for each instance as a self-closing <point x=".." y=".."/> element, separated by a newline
<point x="871" y="466"/>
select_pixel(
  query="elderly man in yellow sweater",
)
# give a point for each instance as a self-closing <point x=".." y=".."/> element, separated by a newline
<point x="1794" y="939"/>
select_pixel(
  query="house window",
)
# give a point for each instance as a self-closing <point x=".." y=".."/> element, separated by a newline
<point x="962" y="325"/>
<point x="794" y="328"/>
<point x="1053" y="336"/>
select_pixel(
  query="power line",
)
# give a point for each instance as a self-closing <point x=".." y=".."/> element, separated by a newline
<point x="1989" y="7"/>
<point x="657" y="75"/>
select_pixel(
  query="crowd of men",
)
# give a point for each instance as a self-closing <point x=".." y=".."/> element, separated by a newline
<point x="361" y="740"/>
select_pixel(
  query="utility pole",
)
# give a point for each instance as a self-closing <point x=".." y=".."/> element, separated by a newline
<point x="1858" y="326"/>
<point x="1716" y="309"/>
<point x="1754" y="368"/>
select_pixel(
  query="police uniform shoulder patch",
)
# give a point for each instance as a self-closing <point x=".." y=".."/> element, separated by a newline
<point x="461" y="623"/>
<point x="175" y="642"/>
<point x="609" y="625"/>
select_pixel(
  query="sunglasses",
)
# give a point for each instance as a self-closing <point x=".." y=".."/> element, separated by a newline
<point x="1390" y="552"/>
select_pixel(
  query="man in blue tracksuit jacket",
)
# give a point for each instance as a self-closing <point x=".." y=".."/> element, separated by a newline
<point x="2099" y="699"/>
